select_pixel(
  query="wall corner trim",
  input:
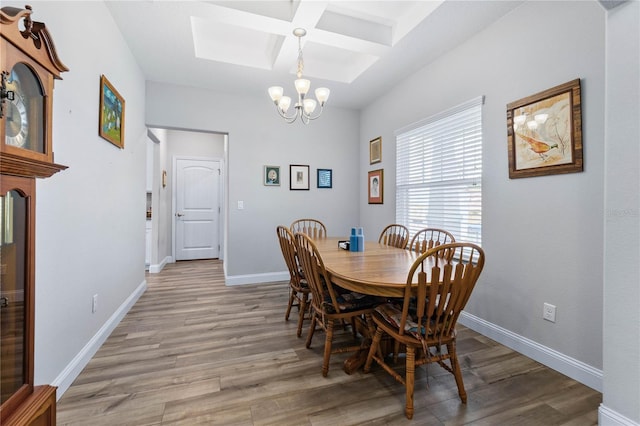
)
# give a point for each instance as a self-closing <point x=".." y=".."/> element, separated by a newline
<point x="157" y="268"/>
<point x="608" y="417"/>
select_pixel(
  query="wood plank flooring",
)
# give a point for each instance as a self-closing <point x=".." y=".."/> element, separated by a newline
<point x="195" y="352"/>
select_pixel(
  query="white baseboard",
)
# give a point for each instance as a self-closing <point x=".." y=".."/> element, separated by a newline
<point x="608" y="417"/>
<point x="255" y="278"/>
<point x="155" y="269"/>
<point x="74" y="368"/>
<point x="564" y="364"/>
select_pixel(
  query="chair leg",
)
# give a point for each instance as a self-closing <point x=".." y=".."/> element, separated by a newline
<point x="303" y="308"/>
<point x="312" y="328"/>
<point x="292" y="296"/>
<point x="354" y="330"/>
<point x="396" y="350"/>
<point x="375" y="343"/>
<point x="410" y="380"/>
<point x="327" y="349"/>
<point x="457" y="373"/>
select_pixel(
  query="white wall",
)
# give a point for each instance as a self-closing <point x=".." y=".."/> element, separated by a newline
<point x="621" y="293"/>
<point x="258" y="137"/>
<point x="543" y="236"/>
<point x="90" y="217"/>
<point x="195" y="144"/>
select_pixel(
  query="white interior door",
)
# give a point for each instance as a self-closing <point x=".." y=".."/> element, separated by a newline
<point x="197" y="213"/>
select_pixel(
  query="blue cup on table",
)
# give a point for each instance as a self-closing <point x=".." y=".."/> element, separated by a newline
<point x="360" y="238"/>
<point x="353" y="240"/>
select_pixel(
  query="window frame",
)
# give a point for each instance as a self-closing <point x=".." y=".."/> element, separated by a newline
<point x="439" y="172"/>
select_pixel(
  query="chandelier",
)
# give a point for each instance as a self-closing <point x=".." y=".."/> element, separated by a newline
<point x="304" y="107"/>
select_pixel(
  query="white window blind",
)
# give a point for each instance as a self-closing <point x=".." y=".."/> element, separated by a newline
<point x="439" y="173"/>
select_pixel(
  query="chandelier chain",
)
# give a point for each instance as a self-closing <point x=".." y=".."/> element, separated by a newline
<point x="300" y="60"/>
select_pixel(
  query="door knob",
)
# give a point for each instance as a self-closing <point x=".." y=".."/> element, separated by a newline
<point x="179" y="214"/>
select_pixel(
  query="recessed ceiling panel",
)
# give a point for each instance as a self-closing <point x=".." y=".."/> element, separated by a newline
<point x="355" y="27"/>
<point x="284" y="10"/>
<point x="334" y="63"/>
<point x="234" y="45"/>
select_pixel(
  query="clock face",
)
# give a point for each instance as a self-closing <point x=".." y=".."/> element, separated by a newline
<point x="17" y="122"/>
<point x="24" y="123"/>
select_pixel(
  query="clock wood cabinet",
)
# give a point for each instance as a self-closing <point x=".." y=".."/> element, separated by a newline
<point x="28" y="65"/>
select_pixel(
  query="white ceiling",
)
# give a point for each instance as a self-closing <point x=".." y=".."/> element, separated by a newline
<point x="358" y="49"/>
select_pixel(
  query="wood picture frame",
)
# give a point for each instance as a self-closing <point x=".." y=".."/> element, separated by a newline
<point x="375" y="185"/>
<point x="325" y="178"/>
<point x="112" y="113"/>
<point x="298" y="177"/>
<point x="375" y="150"/>
<point x="271" y="176"/>
<point x="544" y="132"/>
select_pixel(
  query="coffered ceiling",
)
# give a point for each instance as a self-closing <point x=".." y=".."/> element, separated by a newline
<point x="358" y="49"/>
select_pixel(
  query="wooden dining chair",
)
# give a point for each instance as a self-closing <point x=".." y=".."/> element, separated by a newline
<point x="298" y="288"/>
<point x="428" y="238"/>
<point x="331" y="305"/>
<point x="312" y="227"/>
<point x="437" y="289"/>
<point x="395" y="235"/>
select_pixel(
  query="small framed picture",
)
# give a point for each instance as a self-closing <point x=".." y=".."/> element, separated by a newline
<point x="376" y="186"/>
<point x="325" y="178"/>
<point x="271" y="176"/>
<point x="111" y="122"/>
<point x="375" y="150"/>
<point x="298" y="177"/>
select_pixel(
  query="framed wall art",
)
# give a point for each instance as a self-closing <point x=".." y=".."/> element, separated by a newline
<point x="111" y="121"/>
<point x="298" y="177"/>
<point x="376" y="186"/>
<point x="271" y="176"/>
<point x="325" y="178"/>
<point x="544" y="132"/>
<point x="375" y="150"/>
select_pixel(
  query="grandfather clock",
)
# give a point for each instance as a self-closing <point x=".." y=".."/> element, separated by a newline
<point x="29" y="64"/>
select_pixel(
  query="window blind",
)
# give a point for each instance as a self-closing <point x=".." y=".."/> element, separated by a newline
<point x="439" y="172"/>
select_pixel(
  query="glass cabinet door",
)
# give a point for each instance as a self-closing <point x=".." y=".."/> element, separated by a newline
<point x="13" y="294"/>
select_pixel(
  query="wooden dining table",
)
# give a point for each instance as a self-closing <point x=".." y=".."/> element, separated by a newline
<point x="379" y="270"/>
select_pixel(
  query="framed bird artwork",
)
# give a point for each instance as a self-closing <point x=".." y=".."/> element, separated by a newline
<point x="544" y="132"/>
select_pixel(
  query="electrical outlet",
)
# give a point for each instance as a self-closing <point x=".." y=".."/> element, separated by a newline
<point x="94" y="303"/>
<point x="240" y="205"/>
<point x="549" y="312"/>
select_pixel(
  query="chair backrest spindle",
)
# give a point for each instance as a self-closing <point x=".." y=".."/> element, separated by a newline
<point x="312" y="227"/>
<point x="394" y="235"/>
<point x="428" y="238"/>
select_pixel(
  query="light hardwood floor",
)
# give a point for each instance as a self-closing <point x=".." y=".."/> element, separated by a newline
<point x="194" y="352"/>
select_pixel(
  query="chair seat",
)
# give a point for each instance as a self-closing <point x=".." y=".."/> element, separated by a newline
<point x="391" y="313"/>
<point x="351" y="301"/>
